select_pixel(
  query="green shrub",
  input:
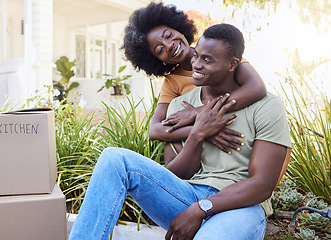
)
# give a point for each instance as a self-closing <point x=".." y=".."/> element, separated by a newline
<point x="320" y="225"/>
<point x="80" y="142"/>
<point x="310" y="126"/>
<point x="65" y="68"/>
<point x="76" y="142"/>
<point x="80" y="139"/>
<point x="130" y="129"/>
<point x="312" y="201"/>
<point x="289" y="197"/>
<point x="78" y="149"/>
<point x="307" y="234"/>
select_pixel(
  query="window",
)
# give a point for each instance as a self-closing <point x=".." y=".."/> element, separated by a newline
<point x="80" y="56"/>
<point x="113" y="58"/>
<point x="97" y="57"/>
<point x="91" y="51"/>
<point x="12" y="30"/>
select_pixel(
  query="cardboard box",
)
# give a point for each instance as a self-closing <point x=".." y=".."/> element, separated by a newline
<point x="27" y="152"/>
<point x="33" y="217"/>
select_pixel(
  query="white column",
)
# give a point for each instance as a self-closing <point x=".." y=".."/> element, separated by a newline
<point x="108" y="53"/>
<point x="88" y="54"/>
<point x="27" y="48"/>
<point x="38" y="15"/>
<point x="4" y="29"/>
<point x="42" y="40"/>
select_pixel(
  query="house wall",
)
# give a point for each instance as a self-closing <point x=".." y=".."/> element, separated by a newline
<point x="64" y="44"/>
<point x="22" y="76"/>
<point x="14" y="51"/>
<point x="140" y="86"/>
<point x="15" y="37"/>
<point x="60" y="37"/>
<point x="49" y="34"/>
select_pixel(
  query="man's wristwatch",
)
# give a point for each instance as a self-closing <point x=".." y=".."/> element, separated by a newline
<point x="206" y="206"/>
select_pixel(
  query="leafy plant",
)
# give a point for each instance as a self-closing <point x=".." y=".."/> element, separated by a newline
<point x="81" y="141"/>
<point x="312" y="201"/>
<point x="64" y="66"/>
<point x="286" y="196"/>
<point x="310" y="126"/>
<point x="284" y="236"/>
<point x="76" y="141"/>
<point x="131" y="205"/>
<point x="260" y="4"/>
<point x="307" y="234"/>
<point x="318" y="224"/>
<point x="290" y="199"/>
<point x="77" y="150"/>
<point x="130" y="129"/>
<point x="43" y="97"/>
<point x="117" y="82"/>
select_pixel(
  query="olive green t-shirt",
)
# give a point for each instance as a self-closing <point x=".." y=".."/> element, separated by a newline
<point x="264" y="120"/>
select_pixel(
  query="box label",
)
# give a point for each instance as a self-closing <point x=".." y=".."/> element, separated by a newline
<point x="19" y="128"/>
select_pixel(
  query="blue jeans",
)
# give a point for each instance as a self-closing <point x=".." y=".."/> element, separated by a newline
<point x="162" y="196"/>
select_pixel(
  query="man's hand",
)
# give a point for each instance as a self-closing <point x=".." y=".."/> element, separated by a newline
<point x="181" y="118"/>
<point x="186" y="224"/>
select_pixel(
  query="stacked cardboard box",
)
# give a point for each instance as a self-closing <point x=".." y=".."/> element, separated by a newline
<point x="31" y="205"/>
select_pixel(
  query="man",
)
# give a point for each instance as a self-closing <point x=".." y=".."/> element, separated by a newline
<point x="222" y="194"/>
<point x="245" y="178"/>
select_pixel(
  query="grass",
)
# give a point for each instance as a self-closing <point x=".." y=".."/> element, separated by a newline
<point x="81" y="139"/>
<point x="310" y="126"/>
<point x="77" y="151"/>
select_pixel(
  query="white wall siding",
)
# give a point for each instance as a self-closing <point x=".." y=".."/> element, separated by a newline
<point x="42" y="41"/>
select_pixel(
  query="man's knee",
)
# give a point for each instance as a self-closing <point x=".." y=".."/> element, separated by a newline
<point x="112" y="150"/>
<point x="111" y="155"/>
<point x="245" y="223"/>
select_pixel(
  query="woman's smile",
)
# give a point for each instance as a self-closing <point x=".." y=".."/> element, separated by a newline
<point x="168" y="45"/>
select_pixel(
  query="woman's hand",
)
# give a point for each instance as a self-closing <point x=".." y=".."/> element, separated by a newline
<point x="181" y="118"/>
<point x="210" y="120"/>
<point x="224" y="141"/>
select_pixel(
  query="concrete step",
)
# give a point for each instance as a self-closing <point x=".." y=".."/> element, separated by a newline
<point x="129" y="231"/>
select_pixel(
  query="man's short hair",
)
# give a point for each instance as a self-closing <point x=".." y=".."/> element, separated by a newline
<point x="229" y="35"/>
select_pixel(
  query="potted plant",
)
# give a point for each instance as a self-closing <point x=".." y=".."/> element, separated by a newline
<point x="64" y="66"/>
<point x="117" y="82"/>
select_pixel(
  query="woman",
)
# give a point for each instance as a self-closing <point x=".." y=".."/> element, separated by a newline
<point x="157" y="40"/>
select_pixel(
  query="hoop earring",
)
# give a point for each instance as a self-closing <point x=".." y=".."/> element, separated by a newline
<point x="164" y="63"/>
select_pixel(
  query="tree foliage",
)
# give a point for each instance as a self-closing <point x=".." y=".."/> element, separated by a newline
<point x="315" y="11"/>
<point x="262" y="4"/>
<point x="311" y="11"/>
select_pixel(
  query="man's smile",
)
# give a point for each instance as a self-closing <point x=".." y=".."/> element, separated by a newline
<point x="197" y="75"/>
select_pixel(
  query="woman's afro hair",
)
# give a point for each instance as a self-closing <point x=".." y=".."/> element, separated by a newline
<point x="141" y="22"/>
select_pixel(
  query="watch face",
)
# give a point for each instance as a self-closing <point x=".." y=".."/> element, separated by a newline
<point x="205" y="204"/>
